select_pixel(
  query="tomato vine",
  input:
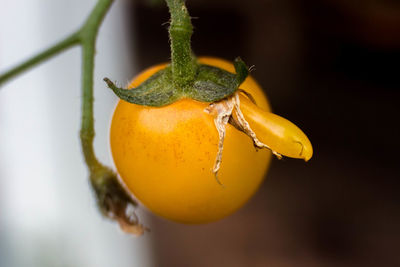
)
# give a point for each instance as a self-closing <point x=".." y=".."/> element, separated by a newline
<point x="112" y="199"/>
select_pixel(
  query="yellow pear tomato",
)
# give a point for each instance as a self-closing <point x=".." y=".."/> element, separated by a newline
<point x="165" y="155"/>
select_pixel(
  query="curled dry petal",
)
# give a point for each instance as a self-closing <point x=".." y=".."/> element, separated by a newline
<point x="222" y="111"/>
<point x="278" y="133"/>
<point x="266" y="129"/>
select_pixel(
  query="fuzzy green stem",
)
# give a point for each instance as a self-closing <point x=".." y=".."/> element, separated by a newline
<point x="59" y="47"/>
<point x="88" y="34"/>
<point x="87" y="123"/>
<point x="86" y="37"/>
<point x="112" y="199"/>
<point x="180" y="30"/>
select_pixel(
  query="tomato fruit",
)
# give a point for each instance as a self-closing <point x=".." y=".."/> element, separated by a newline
<point x="165" y="156"/>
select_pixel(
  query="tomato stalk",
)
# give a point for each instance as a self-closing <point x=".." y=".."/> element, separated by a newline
<point x="112" y="199"/>
<point x="88" y="34"/>
<point x="184" y="77"/>
<point x="61" y="46"/>
<point x="183" y="62"/>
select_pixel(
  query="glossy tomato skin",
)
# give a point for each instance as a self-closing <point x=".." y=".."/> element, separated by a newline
<point x="165" y="156"/>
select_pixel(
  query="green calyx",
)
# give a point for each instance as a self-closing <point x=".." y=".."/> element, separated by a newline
<point x="184" y="77"/>
<point x="209" y="85"/>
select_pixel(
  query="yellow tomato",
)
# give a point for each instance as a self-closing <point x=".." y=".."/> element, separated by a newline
<point x="165" y="156"/>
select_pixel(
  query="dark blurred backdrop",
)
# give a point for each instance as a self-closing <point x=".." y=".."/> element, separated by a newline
<point x="331" y="67"/>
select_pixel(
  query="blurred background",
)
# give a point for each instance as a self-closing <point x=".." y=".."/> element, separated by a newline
<point x="330" y="66"/>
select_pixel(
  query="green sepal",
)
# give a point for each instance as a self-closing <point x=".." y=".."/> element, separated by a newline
<point x="213" y="84"/>
<point x="242" y="71"/>
<point x="156" y="91"/>
<point x="210" y="84"/>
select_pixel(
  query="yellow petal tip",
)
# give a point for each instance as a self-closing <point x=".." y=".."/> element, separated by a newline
<point x="307" y="151"/>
